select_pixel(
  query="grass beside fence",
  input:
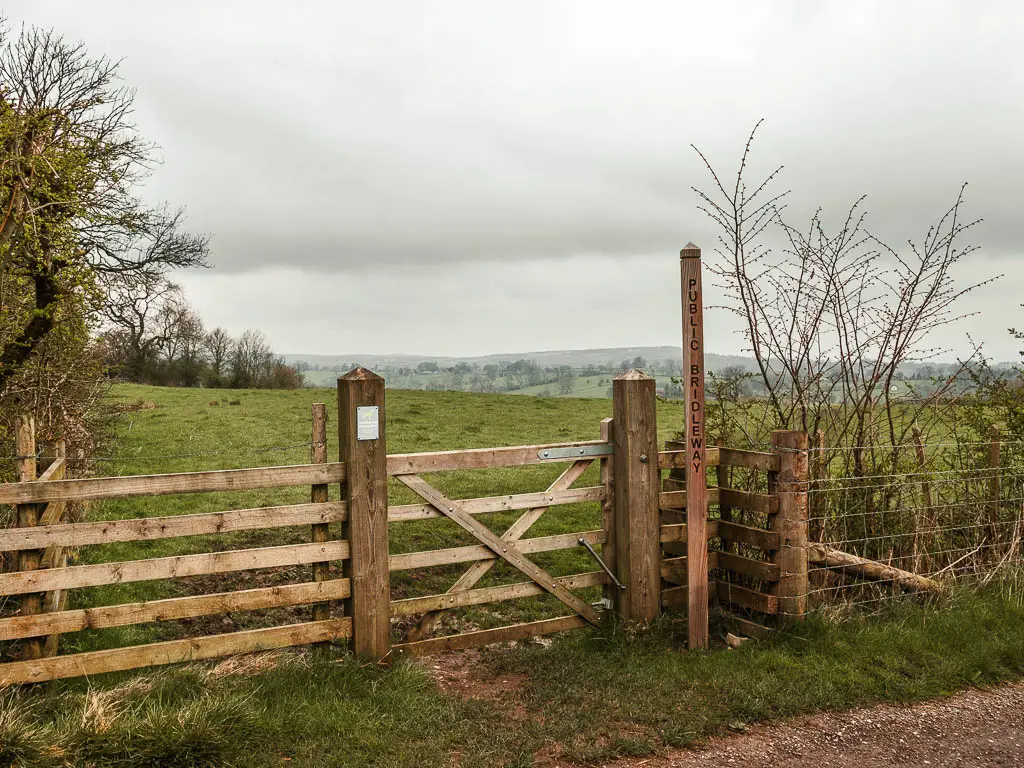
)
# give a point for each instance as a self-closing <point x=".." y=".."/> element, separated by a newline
<point x="587" y="698"/>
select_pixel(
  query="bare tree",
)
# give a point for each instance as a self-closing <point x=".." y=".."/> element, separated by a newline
<point x="218" y="344"/>
<point x="70" y="167"/>
<point x="830" y="316"/>
<point x="252" y="360"/>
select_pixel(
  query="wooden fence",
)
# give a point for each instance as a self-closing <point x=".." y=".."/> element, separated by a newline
<point x="637" y="550"/>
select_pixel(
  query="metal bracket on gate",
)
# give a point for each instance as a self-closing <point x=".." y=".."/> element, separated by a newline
<point x="580" y="452"/>
<point x="593" y="553"/>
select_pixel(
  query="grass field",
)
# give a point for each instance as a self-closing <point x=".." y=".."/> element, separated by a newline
<point x="588" y="696"/>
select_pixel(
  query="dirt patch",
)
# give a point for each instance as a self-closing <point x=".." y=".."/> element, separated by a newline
<point x="463" y="674"/>
<point x="981" y="729"/>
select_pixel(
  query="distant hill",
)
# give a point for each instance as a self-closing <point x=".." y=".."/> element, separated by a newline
<point x="575" y="358"/>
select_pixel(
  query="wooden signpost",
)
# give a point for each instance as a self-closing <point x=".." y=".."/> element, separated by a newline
<point x="696" y="472"/>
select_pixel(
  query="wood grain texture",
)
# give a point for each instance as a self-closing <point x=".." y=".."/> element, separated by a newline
<point x="637" y="488"/>
<point x="77" y="576"/>
<point x="539" y="499"/>
<point x="515" y="532"/>
<point x="738" y="457"/>
<point x="161" y="485"/>
<point x="694" y="436"/>
<point x="675" y="456"/>
<point x="171" y="608"/>
<point x="733" y="594"/>
<point x="477" y="458"/>
<point x="319" y="494"/>
<point x="790" y="484"/>
<point x="172" y="652"/>
<point x="449" y="600"/>
<point x="505" y="549"/>
<point x="466" y="554"/>
<point x="489" y="636"/>
<point x="151" y="528"/>
<point x="366" y="491"/>
<point x="27" y="517"/>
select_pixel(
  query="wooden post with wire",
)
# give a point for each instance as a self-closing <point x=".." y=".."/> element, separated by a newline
<point x="695" y="440"/>
<point x="790" y="485"/>
<point x="25" y="471"/>
<point x="320" y="493"/>
<point x="361" y="444"/>
<point x="995" y="490"/>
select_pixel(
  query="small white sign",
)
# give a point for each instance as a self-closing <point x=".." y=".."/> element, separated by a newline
<point x="367" y="422"/>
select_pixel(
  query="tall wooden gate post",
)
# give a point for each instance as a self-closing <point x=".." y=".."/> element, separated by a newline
<point x="790" y="484"/>
<point x="636" y="489"/>
<point x="362" y="447"/>
<point x="695" y="443"/>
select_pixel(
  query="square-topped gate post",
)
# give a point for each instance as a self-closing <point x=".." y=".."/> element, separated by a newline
<point x="362" y="447"/>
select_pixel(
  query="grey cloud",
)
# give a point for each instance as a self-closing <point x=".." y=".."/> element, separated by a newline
<point x="349" y="138"/>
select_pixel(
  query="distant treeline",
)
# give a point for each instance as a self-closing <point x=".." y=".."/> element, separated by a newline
<point x="155" y="337"/>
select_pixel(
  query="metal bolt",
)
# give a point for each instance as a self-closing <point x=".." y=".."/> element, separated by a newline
<point x="582" y="451"/>
<point x="643" y="458"/>
<point x="451" y="509"/>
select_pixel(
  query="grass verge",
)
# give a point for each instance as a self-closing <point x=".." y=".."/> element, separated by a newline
<point x="587" y="698"/>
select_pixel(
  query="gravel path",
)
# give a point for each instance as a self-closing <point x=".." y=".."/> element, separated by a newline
<point x="977" y="729"/>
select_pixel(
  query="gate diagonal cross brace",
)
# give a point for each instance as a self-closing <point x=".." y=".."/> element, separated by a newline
<point x="506" y="550"/>
<point x="515" y="532"/>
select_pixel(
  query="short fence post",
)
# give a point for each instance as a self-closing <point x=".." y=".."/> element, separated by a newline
<point x="25" y="469"/>
<point x="790" y="485"/>
<point x="995" y="490"/>
<point x="361" y="444"/>
<point x="318" y="494"/>
<point x="636" y="489"/>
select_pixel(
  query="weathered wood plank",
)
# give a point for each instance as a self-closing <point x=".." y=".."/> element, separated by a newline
<point x="161" y="485"/>
<point x="478" y="458"/>
<point x="745" y="534"/>
<point x="363" y="448"/>
<point x="789" y="485"/>
<point x="539" y="499"/>
<point x="752" y="502"/>
<point x="461" y="599"/>
<point x="502" y="548"/>
<point x="172" y="652"/>
<point x="27" y="517"/>
<point x="489" y="636"/>
<point x="636" y="487"/>
<point x="738" y="457"/>
<point x="676" y="532"/>
<point x="471" y="552"/>
<point x="515" y="532"/>
<point x="178" y="566"/>
<point x="838" y="561"/>
<point x="320" y="494"/>
<point x="172" y="608"/>
<point x="746" y="598"/>
<point x="675" y="456"/>
<point x="746" y="566"/>
<point x="677" y="499"/>
<point x="673" y="569"/>
<point x="150" y="528"/>
<point x="53" y="472"/>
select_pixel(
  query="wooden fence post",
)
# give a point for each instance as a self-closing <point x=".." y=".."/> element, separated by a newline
<point x="608" y="512"/>
<point x="636" y="484"/>
<point x="25" y="469"/>
<point x="995" y="491"/>
<point x="361" y="444"/>
<point x="790" y="484"/>
<point x="694" y="437"/>
<point x="318" y="494"/>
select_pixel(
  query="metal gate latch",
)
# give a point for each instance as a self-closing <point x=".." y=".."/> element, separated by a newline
<point x="584" y="543"/>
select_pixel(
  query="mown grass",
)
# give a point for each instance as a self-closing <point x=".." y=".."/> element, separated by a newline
<point x="588" y="696"/>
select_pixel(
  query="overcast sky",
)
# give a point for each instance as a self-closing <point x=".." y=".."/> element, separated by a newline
<point x="475" y="177"/>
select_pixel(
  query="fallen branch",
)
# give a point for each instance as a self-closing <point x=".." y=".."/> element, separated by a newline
<point x="844" y="562"/>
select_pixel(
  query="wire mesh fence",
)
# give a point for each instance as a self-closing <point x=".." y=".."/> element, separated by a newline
<point x="888" y="521"/>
